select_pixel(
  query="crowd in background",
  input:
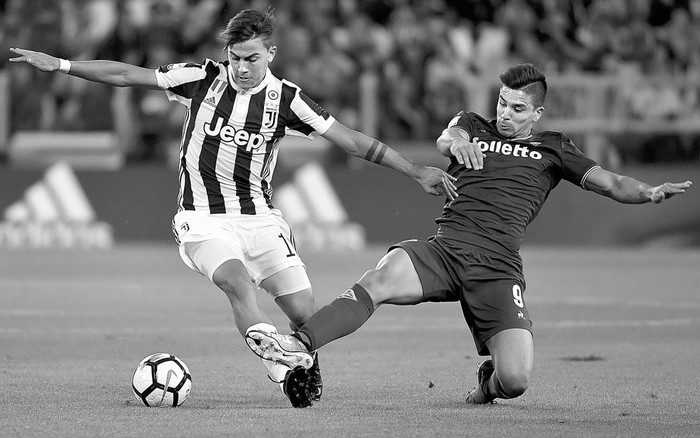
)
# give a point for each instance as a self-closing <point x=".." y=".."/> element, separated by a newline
<point x="421" y="52"/>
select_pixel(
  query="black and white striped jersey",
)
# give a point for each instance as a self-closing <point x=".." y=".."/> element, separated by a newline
<point x="230" y="136"/>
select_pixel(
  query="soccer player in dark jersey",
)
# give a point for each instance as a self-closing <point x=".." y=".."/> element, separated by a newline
<point x="226" y="226"/>
<point x="504" y="171"/>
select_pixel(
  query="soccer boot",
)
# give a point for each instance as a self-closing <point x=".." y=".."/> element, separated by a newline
<point x="284" y="349"/>
<point x="296" y="388"/>
<point x="483" y="374"/>
<point x="315" y="382"/>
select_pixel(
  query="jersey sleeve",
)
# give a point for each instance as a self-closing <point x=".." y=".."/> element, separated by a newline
<point x="308" y="117"/>
<point x="576" y="166"/>
<point x="181" y="81"/>
<point x="462" y="121"/>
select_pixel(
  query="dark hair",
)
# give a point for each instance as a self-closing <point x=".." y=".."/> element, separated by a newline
<point x="527" y="78"/>
<point x="247" y="25"/>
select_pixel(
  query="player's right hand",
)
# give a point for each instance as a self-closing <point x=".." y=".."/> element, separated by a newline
<point x="42" y="61"/>
<point x="467" y="152"/>
<point x="437" y="182"/>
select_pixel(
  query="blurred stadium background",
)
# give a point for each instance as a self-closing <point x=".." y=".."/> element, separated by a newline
<point x="85" y="165"/>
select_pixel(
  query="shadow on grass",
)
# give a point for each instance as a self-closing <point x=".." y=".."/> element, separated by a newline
<point x="587" y="358"/>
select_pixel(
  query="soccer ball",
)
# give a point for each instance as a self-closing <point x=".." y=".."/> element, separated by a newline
<point x="162" y="379"/>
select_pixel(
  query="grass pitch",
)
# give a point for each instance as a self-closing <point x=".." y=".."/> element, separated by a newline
<point x="617" y="336"/>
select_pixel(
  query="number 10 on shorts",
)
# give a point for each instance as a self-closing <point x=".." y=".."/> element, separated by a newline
<point x="290" y="246"/>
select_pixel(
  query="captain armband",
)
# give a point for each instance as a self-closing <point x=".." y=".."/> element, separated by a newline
<point x="376" y="152"/>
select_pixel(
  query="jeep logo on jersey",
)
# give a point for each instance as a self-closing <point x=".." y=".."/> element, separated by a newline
<point x="500" y="147"/>
<point x="229" y="134"/>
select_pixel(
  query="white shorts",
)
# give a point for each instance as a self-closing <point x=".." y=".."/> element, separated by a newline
<point x="263" y="242"/>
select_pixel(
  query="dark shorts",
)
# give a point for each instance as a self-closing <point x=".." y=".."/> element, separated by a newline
<point x="489" y="289"/>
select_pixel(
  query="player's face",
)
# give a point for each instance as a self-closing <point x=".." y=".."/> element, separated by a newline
<point x="515" y="113"/>
<point x="249" y="61"/>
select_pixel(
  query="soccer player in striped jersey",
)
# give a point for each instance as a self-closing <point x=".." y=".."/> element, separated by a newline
<point x="226" y="226"/>
<point x="505" y="170"/>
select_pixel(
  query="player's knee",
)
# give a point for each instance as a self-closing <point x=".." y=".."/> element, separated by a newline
<point x="514" y="383"/>
<point x="233" y="286"/>
<point x="298" y="306"/>
<point x="376" y="282"/>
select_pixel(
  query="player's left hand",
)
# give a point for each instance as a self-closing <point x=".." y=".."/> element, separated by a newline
<point x="438" y="182"/>
<point x="666" y="190"/>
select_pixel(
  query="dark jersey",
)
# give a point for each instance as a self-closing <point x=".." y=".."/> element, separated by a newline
<point x="496" y="204"/>
<point x="230" y="136"/>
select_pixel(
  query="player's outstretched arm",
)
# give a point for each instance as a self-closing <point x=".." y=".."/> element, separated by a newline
<point x="114" y="73"/>
<point x="433" y="180"/>
<point x="631" y="191"/>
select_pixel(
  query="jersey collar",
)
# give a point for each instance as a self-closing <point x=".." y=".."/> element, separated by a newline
<point x="527" y="137"/>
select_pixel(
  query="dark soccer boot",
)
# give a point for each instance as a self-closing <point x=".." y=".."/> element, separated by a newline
<point x="315" y="382"/>
<point x="296" y="387"/>
<point x="483" y="374"/>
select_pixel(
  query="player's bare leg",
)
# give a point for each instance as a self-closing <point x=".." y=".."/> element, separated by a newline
<point x="292" y="292"/>
<point x="393" y="281"/>
<point x="289" y="287"/>
<point x="513" y="353"/>
<point x="299" y="306"/>
<point x="234" y="280"/>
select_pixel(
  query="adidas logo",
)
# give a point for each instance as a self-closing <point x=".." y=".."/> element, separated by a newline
<point x="211" y="101"/>
<point x="348" y="294"/>
<point x="315" y="213"/>
<point x="54" y="213"/>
